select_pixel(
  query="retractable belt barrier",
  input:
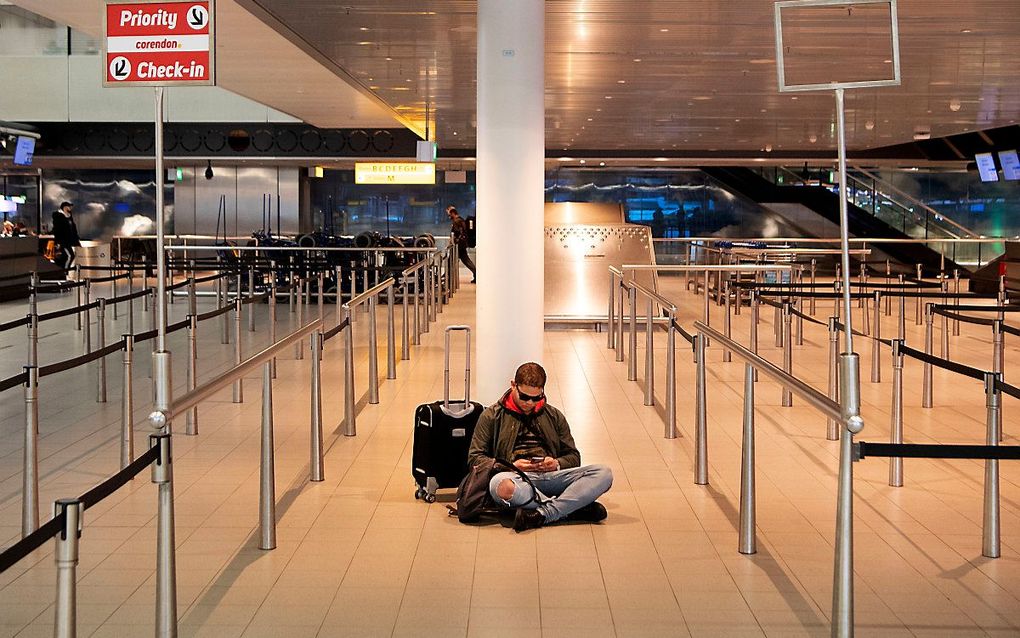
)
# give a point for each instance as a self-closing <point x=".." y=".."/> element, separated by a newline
<point x="17" y="323"/>
<point x="959" y="368"/>
<point x="864" y="449"/>
<point x="335" y="330"/>
<point x="683" y="333"/>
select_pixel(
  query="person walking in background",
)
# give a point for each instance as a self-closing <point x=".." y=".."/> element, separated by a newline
<point x="459" y="235"/>
<point x="65" y="233"/>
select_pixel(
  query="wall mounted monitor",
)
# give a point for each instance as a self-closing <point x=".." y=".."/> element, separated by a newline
<point x="1010" y="164"/>
<point x="986" y="167"/>
<point x="24" y="150"/>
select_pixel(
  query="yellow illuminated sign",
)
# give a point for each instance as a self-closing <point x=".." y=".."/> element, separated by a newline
<point x="394" y="173"/>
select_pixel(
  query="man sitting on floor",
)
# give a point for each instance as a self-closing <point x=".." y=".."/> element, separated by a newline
<point x="536" y="437"/>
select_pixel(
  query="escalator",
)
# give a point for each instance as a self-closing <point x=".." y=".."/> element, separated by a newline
<point x="815" y="210"/>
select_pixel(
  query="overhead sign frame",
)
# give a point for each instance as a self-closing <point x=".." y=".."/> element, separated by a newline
<point x="806" y="4"/>
<point x="208" y="11"/>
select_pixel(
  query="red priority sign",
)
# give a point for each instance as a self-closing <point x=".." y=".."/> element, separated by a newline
<point x="156" y="43"/>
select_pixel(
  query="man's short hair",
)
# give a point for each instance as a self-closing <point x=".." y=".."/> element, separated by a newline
<point x="63" y="204"/>
<point x="530" y="374"/>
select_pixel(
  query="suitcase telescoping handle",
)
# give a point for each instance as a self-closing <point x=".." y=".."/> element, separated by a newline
<point x="467" y="368"/>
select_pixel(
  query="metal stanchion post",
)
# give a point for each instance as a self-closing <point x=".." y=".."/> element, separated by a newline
<point x="926" y="393"/>
<point x="30" y="464"/>
<point x="101" y="363"/>
<point x="320" y="281"/>
<point x="619" y="322"/>
<point x="800" y="308"/>
<point x="811" y="301"/>
<point x="405" y="328"/>
<point x="251" y="296"/>
<point x="191" y="418"/>
<point x="391" y="336"/>
<point x="611" y="334"/>
<point x="956" y="291"/>
<point x="299" y="351"/>
<point x="238" y="388"/>
<point x="832" y="427"/>
<point x="267" y="471"/>
<point x="66" y="556"/>
<point x="33" y="321"/>
<point x="706" y="315"/>
<point x="113" y="293"/>
<point x="373" y="352"/>
<point x="294" y="282"/>
<point x="86" y="338"/>
<point x="78" y="292"/>
<point x="649" y="355"/>
<point x="170" y="285"/>
<point x="901" y="332"/>
<point x="787" y="351"/>
<point x="221" y="287"/>
<point x="315" y="472"/>
<point x="671" y="376"/>
<point x="350" y="428"/>
<point x="416" y="333"/>
<point x="166" y="557"/>
<point x="747" y="543"/>
<point x="862" y="278"/>
<point x="145" y="284"/>
<point x="888" y="280"/>
<point x="427" y="294"/>
<point x="754" y="325"/>
<point x="272" y="311"/>
<point x="127" y="406"/>
<point x="876" y="345"/>
<point x="917" y="302"/>
<point x="632" y="353"/>
<point x="990" y="539"/>
<point x="700" y="413"/>
<point x="192" y="292"/>
<point x="998" y="362"/>
<point x="896" y="429"/>
<point x="777" y="323"/>
<point x="131" y="300"/>
<point x="728" y="320"/>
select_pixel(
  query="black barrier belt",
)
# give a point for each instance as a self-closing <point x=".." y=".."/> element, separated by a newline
<point x="123" y="298"/>
<point x="177" y="285"/>
<point x="945" y="295"/>
<point x="1006" y="388"/>
<point x="762" y="284"/>
<point x="103" y="280"/>
<point x="255" y="299"/>
<point x="60" y="287"/>
<point x="683" y="333"/>
<point x="215" y="313"/>
<point x="817" y="295"/>
<point x="69" y="311"/>
<point x="1011" y="330"/>
<point x="11" y="325"/>
<point x="335" y="330"/>
<point x="11" y="382"/>
<point x="841" y="327"/>
<point x="180" y="325"/>
<point x="769" y="302"/>
<point x="934" y="451"/>
<point x="964" y="318"/>
<point x="952" y="366"/>
<point x="142" y="337"/>
<point x="106" y="268"/>
<point x="60" y="366"/>
<point x="808" y="317"/>
<point x="976" y="308"/>
<point x="202" y="280"/>
<point x="118" y="480"/>
<point x="32" y="542"/>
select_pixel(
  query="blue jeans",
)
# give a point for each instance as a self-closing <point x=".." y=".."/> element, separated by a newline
<point x="560" y="493"/>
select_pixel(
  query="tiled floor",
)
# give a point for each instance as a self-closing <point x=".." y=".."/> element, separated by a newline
<point x="359" y="556"/>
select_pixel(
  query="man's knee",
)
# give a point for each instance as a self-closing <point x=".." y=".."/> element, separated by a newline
<point x="603" y="476"/>
<point x="505" y="489"/>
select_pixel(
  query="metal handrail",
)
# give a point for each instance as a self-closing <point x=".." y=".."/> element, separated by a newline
<point x="211" y="387"/>
<point x="371" y="292"/>
<point x="814" y="397"/>
<point x="417" y="249"/>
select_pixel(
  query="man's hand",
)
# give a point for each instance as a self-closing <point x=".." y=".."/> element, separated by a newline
<point x="547" y="464"/>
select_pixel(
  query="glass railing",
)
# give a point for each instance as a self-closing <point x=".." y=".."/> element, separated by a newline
<point x="887" y="203"/>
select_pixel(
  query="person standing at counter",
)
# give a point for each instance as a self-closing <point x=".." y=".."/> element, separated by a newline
<point x="65" y="233"/>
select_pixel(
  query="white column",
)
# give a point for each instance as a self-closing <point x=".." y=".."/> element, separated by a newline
<point x="510" y="195"/>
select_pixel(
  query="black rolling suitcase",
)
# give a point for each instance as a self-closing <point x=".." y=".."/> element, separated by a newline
<point x="442" y="432"/>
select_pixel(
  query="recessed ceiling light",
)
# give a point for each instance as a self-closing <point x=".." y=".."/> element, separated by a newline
<point x="887" y="61"/>
<point x="964" y="30"/>
<point x="602" y="163"/>
<point x="637" y="59"/>
<point x="363" y="29"/>
<point x="663" y="30"/>
<point x="455" y="132"/>
<point x="566" y="159"/>
<point x="366" y="42"/>
<point x="389" y="59"/>
<point x="374" y="88"/>
<point x="582" y="162"/>
<point x="609" y="97"/>
<point x="659" y="159"/>
<point x="589" y="119"/>
<point x="702" y="98"/>
<point x="621" y="81"/>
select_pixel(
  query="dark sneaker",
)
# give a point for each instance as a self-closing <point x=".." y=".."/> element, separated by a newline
<point x="527" y="519"/>
<point x="591" y="513"/>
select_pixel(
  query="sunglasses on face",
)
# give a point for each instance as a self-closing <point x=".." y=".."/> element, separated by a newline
<point x="529" y="397"/>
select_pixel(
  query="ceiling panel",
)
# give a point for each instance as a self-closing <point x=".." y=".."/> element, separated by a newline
<point x="659" y="75"/>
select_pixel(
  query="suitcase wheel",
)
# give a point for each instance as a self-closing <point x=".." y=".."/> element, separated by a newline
<point x="422" y="494"/>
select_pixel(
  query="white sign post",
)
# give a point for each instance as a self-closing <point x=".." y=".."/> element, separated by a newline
<point x="157" y="43"/>
<point x="849" y="370"/>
